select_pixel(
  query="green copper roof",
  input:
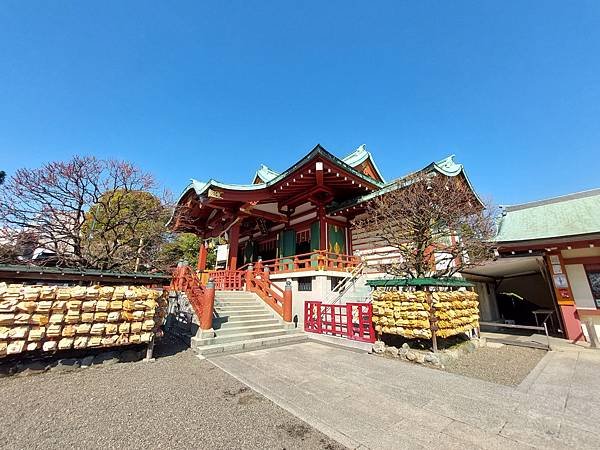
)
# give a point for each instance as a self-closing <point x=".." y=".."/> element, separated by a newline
<point x="355" y="158"/>
<point x="360" y="155"/>
<point x="422" y="282"/>
<point x="201" y="188"/>
<point x="265" y="173"/>
<point x="446" y="166"/>
<point x="70" y="272"/>
<point x="569" y="215"/>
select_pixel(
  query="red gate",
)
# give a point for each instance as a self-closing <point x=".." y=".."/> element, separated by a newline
<point x="352" y="320"/>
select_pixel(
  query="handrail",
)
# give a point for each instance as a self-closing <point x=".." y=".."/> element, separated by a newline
<point x="257" y="281"/>
<point x="201" y="299"/>
<point x="543" y="328"/>
<point x="342" y="287"/>
<point x="260" y="284"/>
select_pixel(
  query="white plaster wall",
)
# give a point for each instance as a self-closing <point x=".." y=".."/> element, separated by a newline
<point x="320" y="289"/>
<point x="580" y="286"/>
<point x="488" y="305"/>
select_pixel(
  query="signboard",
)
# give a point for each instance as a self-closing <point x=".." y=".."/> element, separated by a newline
<point x="222" y="253"/>
<point x="560" y="281"/>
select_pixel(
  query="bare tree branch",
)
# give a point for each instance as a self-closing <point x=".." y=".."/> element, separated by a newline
<point x="85" y="212"/>
<point x="429" y="225"/>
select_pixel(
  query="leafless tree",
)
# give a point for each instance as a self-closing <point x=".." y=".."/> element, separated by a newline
<point x="85" y="212"/>
<point x="432" y="226"/>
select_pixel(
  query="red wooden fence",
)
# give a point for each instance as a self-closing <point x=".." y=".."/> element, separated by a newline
<point x="352" y="320"/>
<point x="228" y="280"/>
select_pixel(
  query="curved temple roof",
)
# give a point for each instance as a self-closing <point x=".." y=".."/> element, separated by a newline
<point x="203" y="188"/>
<point x="265" y="174"/>
<point x="354" y="159"/>
<point x="271" y="189"/>
<point x="446" y="166"/>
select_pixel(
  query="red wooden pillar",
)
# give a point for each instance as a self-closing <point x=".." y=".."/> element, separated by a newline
<point x="202" y="256"/>
<point x="208" y="306"/>
<point x="249" y="277"/>
<point x="349" y="247"/>
<point x="322" y="228"/>
<point x="566" y="303"/>
<point x="287" y="302"/>
<point x="234" y="236"/>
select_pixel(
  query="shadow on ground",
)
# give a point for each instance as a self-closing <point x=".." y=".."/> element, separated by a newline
<point x="169" y="345"/>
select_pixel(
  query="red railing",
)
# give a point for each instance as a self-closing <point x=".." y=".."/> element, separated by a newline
<point x="228" y="280"/>
<point x="317" y="260"/>
<point x="272" y="295"/>
<point x="185" y="279"/>
<point x="352" y="320"/>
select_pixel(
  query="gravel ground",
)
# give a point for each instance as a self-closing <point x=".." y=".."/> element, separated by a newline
<point x="177" y="401"/>
<point x="507" y="365"/>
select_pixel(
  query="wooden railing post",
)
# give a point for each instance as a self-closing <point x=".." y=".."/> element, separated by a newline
<point x="287" y="302"/>
<point x="249" y="274"/>
<point x="208" y="307"/>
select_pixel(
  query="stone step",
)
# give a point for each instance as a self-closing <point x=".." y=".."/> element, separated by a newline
<point x="223" y="291"/>
<point x="291" y="337"/>
<point x="234" y="294"/>
<point x="244" y="317"/>
<point x="239" y="311"/>
<point x="240" y="336"/>
<point x="225" y="324"/>
<point x="241" y="329"/>
<point x="248" y="305"/>
<point x="224" y="303"/>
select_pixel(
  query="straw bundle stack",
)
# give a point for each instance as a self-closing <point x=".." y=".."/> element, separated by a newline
<point x="402" y="313"/>
<point x="411" y="314"/>
<point x="456" y="312"/>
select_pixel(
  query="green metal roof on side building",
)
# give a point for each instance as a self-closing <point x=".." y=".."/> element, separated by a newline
<point x="569" y="215"/>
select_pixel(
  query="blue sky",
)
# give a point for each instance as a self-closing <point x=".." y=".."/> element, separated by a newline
<point x="212" y="89"/>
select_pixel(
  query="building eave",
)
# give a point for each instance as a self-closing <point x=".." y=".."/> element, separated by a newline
<point x="446" y="166"/>
<point x="359" y="156"/>
<point x="201" y="188"/>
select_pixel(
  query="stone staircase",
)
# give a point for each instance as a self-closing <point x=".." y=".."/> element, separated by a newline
<point x="244" y="322"/>
<point x="358" y="292"/>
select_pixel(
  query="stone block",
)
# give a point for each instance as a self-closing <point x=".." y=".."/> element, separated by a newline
<point x="378" y="347"/>
<point x="67" y="364"/>
<point x="130" y="356"/>
<point x="32" y="367"/>
<point x="391" y="351"/>
<point x="87" y="362"/>
<point x="106" y="358"/>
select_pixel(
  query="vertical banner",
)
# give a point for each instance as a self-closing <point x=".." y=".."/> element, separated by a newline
<point x="337" y="239"/>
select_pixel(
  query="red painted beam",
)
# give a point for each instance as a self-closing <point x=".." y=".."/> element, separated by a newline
<point x="234" y="235"/>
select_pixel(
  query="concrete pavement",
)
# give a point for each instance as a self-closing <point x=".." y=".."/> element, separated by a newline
<point x="368" y="402"/>
<point x="175" y="402"/>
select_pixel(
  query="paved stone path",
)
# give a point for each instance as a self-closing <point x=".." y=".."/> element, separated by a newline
<point x="365" y="401"/>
